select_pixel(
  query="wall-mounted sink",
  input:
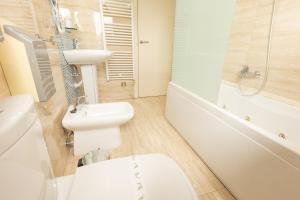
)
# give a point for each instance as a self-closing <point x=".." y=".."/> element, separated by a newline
<point x="86" y="56"/>
<point x="88" y="59"/>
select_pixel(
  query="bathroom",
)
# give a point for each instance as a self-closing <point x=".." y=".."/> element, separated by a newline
<point x="203" y="93"/>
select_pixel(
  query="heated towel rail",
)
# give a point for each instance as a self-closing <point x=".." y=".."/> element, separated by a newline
<point x="118" y="38"/>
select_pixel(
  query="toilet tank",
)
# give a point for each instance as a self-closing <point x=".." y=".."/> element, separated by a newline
<point x="25" y="170"/>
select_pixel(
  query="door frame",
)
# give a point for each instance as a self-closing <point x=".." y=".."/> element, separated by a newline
<point x="135" y="24"/>
<point x="136" y="50"/>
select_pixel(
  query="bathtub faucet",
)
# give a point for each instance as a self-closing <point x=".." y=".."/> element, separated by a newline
<point x="246" y="73"/>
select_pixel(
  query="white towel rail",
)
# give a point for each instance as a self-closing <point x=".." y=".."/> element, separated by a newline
<point x="119" y="36"/>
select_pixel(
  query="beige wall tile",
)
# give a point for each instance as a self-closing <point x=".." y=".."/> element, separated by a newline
<point x="248" y="46"/>
<point x="112" y="90"/>
<point x="20" y="12"/>
<point x="4" y="90"/>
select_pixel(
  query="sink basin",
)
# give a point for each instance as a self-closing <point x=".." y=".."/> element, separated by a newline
<point x="86" y="56"/>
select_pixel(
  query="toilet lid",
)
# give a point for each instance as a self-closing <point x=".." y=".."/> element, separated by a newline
<point x="146" y="177"/>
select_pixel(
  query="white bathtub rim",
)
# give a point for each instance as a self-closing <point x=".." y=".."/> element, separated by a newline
<point x="286" y="106"/>
<point x="277" y="107"/>
<point x="278" y="147"/>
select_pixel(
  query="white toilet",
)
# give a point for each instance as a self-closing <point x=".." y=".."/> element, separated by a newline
<point x="97" y="125"/>
<point x="25" y="170"/>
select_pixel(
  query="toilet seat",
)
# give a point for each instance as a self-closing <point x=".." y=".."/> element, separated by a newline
<point x="144" y="177"/>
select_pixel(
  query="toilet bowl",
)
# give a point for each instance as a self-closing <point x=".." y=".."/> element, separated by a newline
<point x="26" y="173"/>
<point x="97" y="125"/>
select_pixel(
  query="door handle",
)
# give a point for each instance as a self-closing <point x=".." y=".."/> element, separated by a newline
<point x="144" y="42"/>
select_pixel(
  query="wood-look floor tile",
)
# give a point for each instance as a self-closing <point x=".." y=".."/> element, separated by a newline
<point x="149" y="132"/>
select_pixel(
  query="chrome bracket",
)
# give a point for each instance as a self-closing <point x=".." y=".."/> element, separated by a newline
<point x="1" y="35"/>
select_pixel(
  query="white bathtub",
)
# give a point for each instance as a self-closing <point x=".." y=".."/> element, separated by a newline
<point x="248" y="157"/>
<point x="273" y="116"/>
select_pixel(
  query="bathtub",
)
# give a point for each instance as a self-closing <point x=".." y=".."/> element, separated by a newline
<point x="242" y="140"/>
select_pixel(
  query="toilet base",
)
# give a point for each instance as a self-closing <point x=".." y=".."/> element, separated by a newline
<point x="106" y="139"/>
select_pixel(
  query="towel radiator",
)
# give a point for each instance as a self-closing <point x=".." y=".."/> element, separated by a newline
<point x="118" y="38"/>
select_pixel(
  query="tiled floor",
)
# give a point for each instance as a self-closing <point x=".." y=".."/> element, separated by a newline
<point x="150" y="132"/>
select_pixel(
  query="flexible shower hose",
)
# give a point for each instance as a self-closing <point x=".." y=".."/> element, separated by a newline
<point x="267" y="66"/>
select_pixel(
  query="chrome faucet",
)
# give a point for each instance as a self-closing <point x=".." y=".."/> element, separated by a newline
<point x="244" y="70"/>
<point x="246" y="73"/>
<point x="77" y="101"/>
<point x="1" y="35"/>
